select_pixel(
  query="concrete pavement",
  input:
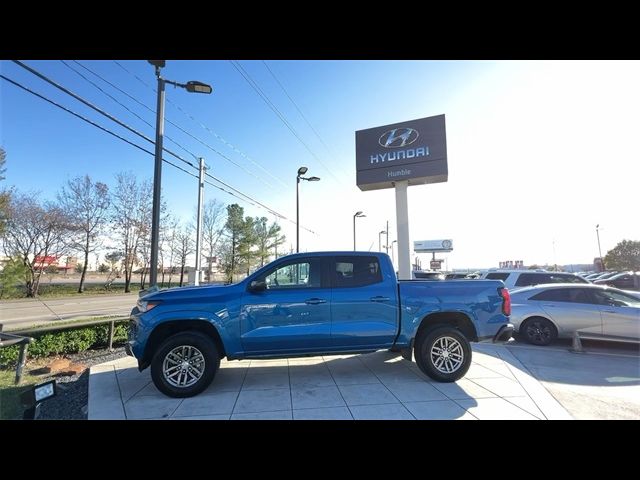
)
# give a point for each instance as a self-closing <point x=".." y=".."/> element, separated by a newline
<point x="28" y="312"/>
<point x="377" y="385"/>
<point x="603" y="383"/>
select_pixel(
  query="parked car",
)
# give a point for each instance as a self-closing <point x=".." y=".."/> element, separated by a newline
<point x="314" y="304"/>
<point x="601" y="276"/>
<point x="422" y="275"/>
<point x="524" y="278"/>
<point x="624" y="280"/>
<point x="543" y="313"/>
<point x="456" y="276"/>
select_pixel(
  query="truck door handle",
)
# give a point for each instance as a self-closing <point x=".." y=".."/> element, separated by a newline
<point x="609" y="311"/>
<point x="315" y="301"/>
<point x="548" y="305"/>
<point x="380" y="299"/>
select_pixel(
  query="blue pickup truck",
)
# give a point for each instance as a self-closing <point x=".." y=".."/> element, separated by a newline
<point x="311" y="304"/>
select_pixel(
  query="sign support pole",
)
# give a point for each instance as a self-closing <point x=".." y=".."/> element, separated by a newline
<point x="402" y="222"/>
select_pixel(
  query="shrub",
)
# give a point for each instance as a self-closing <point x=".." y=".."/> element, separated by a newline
<point x="66" y="341"/>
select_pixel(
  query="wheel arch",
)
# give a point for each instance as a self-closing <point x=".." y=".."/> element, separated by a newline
<point x="457" y="320"/>
<point x="165" y="329"/>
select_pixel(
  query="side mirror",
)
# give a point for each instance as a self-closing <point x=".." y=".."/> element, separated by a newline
<point x="257" y="286"/>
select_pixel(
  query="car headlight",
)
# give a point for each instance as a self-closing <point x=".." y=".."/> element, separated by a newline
<point x="145" y="306"/>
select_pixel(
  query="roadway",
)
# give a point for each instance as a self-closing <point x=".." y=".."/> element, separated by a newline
<point x="23" y="313"/>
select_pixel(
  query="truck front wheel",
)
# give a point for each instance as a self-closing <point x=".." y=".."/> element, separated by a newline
<point x="185" y="364"/>
<point x="443" y="353"/>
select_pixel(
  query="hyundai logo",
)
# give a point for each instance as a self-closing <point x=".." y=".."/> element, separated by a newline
<point x="398" y="137"/>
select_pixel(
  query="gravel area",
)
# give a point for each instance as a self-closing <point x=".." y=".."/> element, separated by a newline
<point x="70" y="403"/>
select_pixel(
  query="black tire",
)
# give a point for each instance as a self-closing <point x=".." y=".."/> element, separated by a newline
<point x="203" y="353"/>
<point x="434" y="365"/>
<point x="538" y="331"/>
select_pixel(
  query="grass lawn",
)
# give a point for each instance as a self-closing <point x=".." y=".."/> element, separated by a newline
<point x="10" y="405"/>
<point x="57" y="290"/>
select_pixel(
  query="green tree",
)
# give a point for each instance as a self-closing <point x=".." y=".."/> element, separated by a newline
<point x="4" y="194"/>
<point x="267" y="238"/>
<point x="11" y="276"/>
<point x="625" y="256"/>
<point x="103" y="268"/>
<point x="233" y="230"/>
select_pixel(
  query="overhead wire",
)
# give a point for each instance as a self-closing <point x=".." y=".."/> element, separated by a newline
<point x="97" y="109"/>
<point x="247" y="198"/>
<point x="205" y="127"/>
<point x="297" y="107"/>
<point x="125" y="107"/>
<point x="275" y="110"/>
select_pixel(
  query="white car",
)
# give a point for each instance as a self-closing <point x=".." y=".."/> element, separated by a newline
<point x="525" y="278"/>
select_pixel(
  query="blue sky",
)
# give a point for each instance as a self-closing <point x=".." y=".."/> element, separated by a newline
<point x="539" y="152"/>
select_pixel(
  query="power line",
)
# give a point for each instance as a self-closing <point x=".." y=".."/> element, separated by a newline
<point x="203" y="126"/>
<point x="251" y="200"/>
<point x="271" y="105"/>
<point x="100" y="111"/>
<point x="125" y="107"/>
<point x="297" y="108"/>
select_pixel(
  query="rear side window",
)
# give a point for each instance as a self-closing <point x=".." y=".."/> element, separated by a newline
<point x="356" y="271"/>
<point x="497" y="276"/>
<point x="572" y="295"/>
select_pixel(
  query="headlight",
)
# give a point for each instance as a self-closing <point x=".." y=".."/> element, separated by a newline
<point x="145" y="306"/>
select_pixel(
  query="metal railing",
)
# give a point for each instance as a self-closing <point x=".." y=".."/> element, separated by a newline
<point x="23" y="338"/>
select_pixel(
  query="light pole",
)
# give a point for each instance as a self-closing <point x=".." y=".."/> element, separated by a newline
<point x="599" y="250"/>
<point x="393" y="257"/>
<point x="194" y="87"/>
<point x="356" y="215"/>
<point x="301" y="171"/>
<point x="380" y="240"/>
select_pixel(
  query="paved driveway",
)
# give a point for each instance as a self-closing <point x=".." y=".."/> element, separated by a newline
<point x="378" y="385"/>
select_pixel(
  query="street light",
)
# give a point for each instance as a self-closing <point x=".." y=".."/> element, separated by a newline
<point x="599" y="250"/>
<point x="380" y="240"/>
<point x="356" y="215"/>
<point x="194" y="87"/>
<point x="301" y="171"/>
<point x="393" y="257"/>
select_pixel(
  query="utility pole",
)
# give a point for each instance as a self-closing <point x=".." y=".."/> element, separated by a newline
<point x="157" y="179"/>
<point x="199" y="222"/>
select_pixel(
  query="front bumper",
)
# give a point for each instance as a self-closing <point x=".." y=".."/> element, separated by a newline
<point x="504" y="334"/>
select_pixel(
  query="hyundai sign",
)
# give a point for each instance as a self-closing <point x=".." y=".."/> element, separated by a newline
<point x="415" y="151"/>
<point x="429" y="246"/>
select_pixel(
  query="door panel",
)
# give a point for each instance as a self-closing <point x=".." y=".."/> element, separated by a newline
<point x="621" y="321"/>
<point x="293" y="314"/>
<point x="573" y="309"/>
<point x="364" y="308"/>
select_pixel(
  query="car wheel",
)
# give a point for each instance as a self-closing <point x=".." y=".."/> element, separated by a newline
<point x="185" y="364"/>
<point x="539" y="331"/>
<point x="443" y="353"/>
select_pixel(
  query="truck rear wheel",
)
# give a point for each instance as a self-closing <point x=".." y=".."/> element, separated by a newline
<point x="443" y="353"/>
<point x="185" y="364"/>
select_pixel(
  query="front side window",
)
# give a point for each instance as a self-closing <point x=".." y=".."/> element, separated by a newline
<point x="356" y="271"/>
<point x="301" y="274"/>
<point x="616" y="299"/>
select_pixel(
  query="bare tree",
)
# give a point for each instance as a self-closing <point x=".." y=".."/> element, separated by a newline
<point x="33" y="233"/>
<point x="129" y="218"/>
<point x="212" y="226"/>
<point x="171" y="242"/>
<point x="87" y="205"/>
<point x="184" y="248"/>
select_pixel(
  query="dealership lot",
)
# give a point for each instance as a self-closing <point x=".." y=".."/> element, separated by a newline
<point x="377" y="385"/>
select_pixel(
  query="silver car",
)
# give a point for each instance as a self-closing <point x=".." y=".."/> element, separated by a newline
<point x="543" y="313"/>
